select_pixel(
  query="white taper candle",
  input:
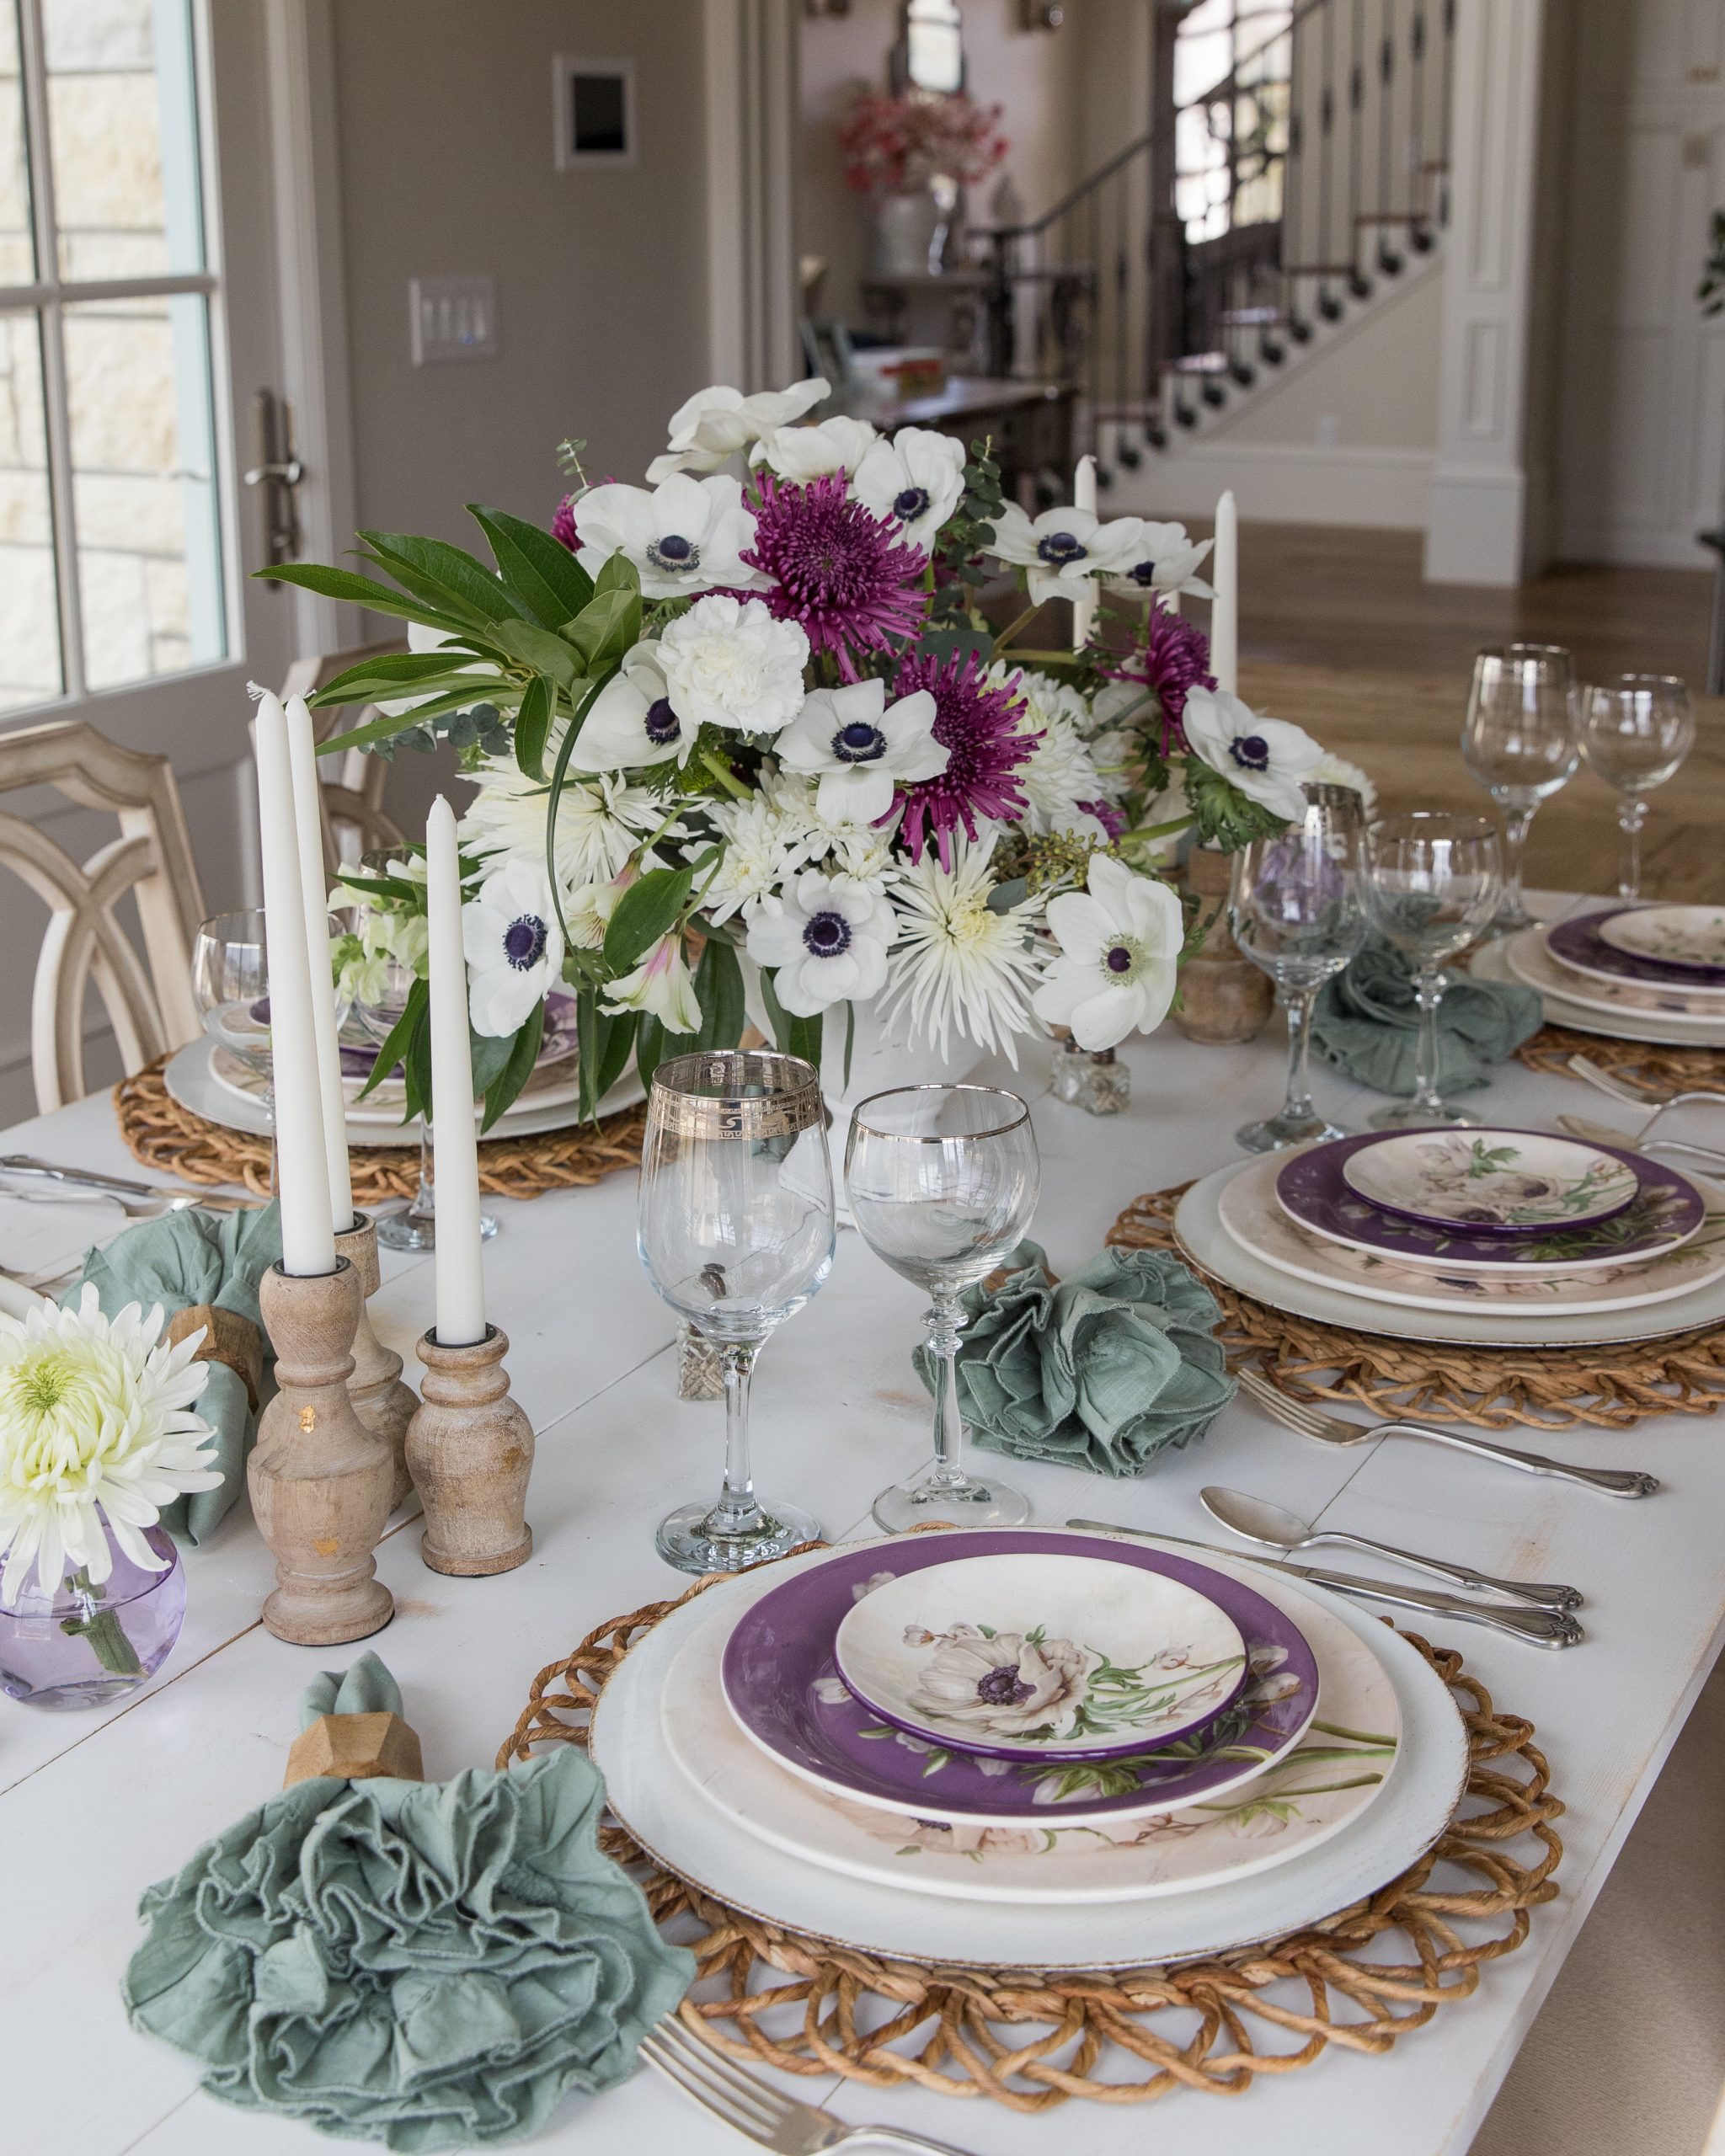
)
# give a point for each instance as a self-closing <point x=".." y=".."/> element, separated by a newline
<point x="460" y="1280"/>
<point x="307" y="1234"/>
<point x="302" y="761"/>
<point x="1084" y="497"/>
<point x="1224" y="610"/>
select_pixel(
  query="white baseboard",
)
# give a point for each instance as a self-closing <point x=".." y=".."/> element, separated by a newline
<point x="1279" y="483"/>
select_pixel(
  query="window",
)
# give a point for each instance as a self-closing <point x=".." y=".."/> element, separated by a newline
<point x="1231" y="61"/>
<point x="110" y="553"/>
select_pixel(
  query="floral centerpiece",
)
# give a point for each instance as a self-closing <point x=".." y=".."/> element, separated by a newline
<point x="898" y="144"/>
<point x="744" y="743"/>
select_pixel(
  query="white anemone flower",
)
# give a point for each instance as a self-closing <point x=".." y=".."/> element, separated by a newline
<point x="827" y="938"/>
<point x="1121" y="944"/>
<point x="514" y="948"/>
<point x="1063" y="550"/>
<point x="687" y="536"/>
<point x="804" y="453"/>
<point x="861" y="748"/>
<point x="601" y="821"/>
<point x="728" y="662"/>
<point x="914" y="482"/>
<point x="1268" y="758"/>
<point x="632" y="723"/>
<point x="959" y="966"/>
<point x="716" y="422"/>
<point x="661" y="986"/>
<point x="96" y="1422"/>
<point x="1167" y="559"/>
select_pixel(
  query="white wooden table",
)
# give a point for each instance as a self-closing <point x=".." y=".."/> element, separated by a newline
<point x="94" y="1806"/>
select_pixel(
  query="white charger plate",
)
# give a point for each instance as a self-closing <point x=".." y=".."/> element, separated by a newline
<point x="1510" y="959"/>
<point x="698" y="1842"/>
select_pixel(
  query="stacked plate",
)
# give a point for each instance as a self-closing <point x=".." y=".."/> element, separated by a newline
<point x="1508" y="1237"/>
<point x="1030" y="1748"/>
<point x="1636" y="973"/>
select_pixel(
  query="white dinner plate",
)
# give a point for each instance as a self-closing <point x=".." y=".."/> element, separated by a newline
<point x="1204" y="1238"/>
<point x="698" y="1841"/>
<point x="386" y="1108"/>
<point x="1509" y="960"/>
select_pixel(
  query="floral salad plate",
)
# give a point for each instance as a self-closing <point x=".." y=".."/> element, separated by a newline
<point x="1022" y="1655"/>
<point x="1580" y="947"/>
<point x="1689" y="936"/>
<point x="781" y="1682"/>
<point x="1490" y="1183"/>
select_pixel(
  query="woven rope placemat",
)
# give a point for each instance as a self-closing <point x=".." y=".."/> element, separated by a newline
<point x="1653" y="1067"/>
<point x="164" y="1135"/>
<point x="1031" y="2040"/>
<point x="1614" y="1385"/>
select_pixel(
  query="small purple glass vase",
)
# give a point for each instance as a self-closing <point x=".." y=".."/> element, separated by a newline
<point x="84" y="1646"/>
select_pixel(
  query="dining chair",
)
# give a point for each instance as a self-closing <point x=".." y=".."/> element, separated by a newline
<point x="354" y="818"/>
<point x="147" y="998"/>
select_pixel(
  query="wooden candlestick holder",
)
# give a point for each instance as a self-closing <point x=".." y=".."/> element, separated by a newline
<point x="470" y="1450"/>
<point x="320" y="1480"/>
<point x="381" y="1401"/>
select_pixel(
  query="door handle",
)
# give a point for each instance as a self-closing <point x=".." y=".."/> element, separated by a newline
<point x="279" y="473"/>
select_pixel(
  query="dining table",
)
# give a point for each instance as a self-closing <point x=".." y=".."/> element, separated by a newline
<point x="95" y="1805"/>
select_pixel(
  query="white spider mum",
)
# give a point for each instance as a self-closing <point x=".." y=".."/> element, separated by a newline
<point x="1062" y="783"/>
<point x="600" y="821"/>
<point x="957" y="966"/>
<point x="760" y="854"/>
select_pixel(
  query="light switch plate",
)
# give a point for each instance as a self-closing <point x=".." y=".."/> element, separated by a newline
<point x="452" y="318"/>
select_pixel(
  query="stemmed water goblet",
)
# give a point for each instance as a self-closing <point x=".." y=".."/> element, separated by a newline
<point x="1295" y="910"/>
<point x="735" y="1228"/>
<point x="231" y="986"/>
<point x="1521" y="740"/>
<point x="1635" y="732"/>
<point x="942" y="1182"/>
<point x="1433" y="884"/>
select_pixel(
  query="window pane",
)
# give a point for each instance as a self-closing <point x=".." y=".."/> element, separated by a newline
<point x="30" y="608"/>
<point x="123" y="136"/>
<point x="137" y="374"/>
<point x="18" y="252"/>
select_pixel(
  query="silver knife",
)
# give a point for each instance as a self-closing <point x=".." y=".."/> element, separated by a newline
<point x="118" y="1187"/>
<point x="1540" y="1628"/>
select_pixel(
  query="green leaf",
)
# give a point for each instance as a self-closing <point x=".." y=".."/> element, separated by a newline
<point x="645" y="912"/>
<point x="359" y="591"/>
<point x="504" y="1087"/>
<point x="651" y="1045"/>
<point x="465" y="586"/>
<point x="605" y="1039"/>
<point x="791" y="1036"/>
<point x="488" y="1053"/>
<point x="719" y="989"/>
<point x="395" y="675"/>
<point x="533" y="727"/>
<point x="416" y="1012"/>
<point x="608" y="629"/>
<point x="541" y="572"/>
<point x="543" y="649"/>
<point x="387" y="727"/>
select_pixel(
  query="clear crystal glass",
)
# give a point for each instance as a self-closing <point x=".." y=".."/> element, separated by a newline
<point x="942" y="1182"/>
<point x="734" y="1227"/>
<point x="1635" y="733"/>
<point x="1295" y="910"/>
<point x="1095" y="1081"/>
<point x="85" y="1644"/>
<point x="1522" y="740"/>
<point x="1433" y="884"/>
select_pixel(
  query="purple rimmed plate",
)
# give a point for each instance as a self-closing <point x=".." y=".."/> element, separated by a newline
<point x="784" y="1692"/>
<point x="1666" y="1211"/>
<point x="1579" y="944"/>
<point x="559" y="1040"/>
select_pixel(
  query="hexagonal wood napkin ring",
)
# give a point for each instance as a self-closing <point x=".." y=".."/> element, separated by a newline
<point x="356" y="1748"/>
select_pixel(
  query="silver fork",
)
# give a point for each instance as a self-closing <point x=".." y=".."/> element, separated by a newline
<point x="1333" y="1430"/>
<point x="755" y="2108"/>
<point x="1637" y="1097"/>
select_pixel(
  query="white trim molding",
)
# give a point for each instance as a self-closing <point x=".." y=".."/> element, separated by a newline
<point x="1281" y="482"/>
<point x="750" y="113"/>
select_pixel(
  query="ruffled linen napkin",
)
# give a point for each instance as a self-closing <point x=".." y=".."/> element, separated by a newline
<point x="1366" y="1021"/>
<point x="1102" y="1371"/>
<point x="203" y="1269"/>
<point x="428" y="1965"/>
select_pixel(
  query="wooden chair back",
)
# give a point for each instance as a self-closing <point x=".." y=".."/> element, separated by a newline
<point x="148" y="999"/>
<point x="352" y="791"/>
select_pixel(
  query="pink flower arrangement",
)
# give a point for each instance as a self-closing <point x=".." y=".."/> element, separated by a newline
<point x="896" y="144"/>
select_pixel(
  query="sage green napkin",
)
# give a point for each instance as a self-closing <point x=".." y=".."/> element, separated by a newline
<point x="180" y="1260"/>
<point x="427" y="1965"/>
<point x="1103" y="1370"/>
<point x="1366" y="1020"/>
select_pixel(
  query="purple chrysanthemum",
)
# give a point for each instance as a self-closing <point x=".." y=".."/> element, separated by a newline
<point x="562" y="524"/>
<point x="977" y="721"/>
<point x="836" y="569"/>
<point x="1173" y="657"/>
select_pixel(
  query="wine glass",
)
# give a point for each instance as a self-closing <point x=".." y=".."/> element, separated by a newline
<point x="734" y="1230"/>
<point x="1296" y="911"/>
<point x="231" y="984"/>
<point x="1433" y="884"/>
<point x="1635" y="732"/>
<point x="1521" y="740"/>
<point x="943" y="1182"/>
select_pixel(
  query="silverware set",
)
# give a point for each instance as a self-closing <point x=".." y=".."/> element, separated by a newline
<point x="24" y="1176"/>
<point x="1614" y="1088"/>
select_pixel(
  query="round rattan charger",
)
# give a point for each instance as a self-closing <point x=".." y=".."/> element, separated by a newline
<point x="1613" y="1387"/>
<point x="164" y="1135"/>
<point x="1029" y="2039"/>
<point x="1655" y="1068"/>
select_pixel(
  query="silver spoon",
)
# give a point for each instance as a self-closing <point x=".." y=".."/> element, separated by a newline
<point x="1273" y="1529"/>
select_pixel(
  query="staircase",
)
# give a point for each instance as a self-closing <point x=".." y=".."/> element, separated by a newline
<point x="1252" y="215"/>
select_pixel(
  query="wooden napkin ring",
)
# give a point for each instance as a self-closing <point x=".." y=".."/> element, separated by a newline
<point x="356" y="1748"/>
<point x="228" y="1338"/>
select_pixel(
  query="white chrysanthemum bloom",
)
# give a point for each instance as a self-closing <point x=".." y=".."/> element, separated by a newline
<point x="760" y="853"/>
<point x="587" y="910"/>
<point x="728" y="662"/>
<point x="1336" y="771"/>
<point x="600" y="821"/>
<point x="914" y="482"/>
<point x="1268" y="758"/>
<point x="514" y="947"/>
<point x="687" y="536"/>
<point x="1167" y="559"/>
<point x="862" y="850"/>
<point x="1121" y="944"/>
<point x="661" y="986"/>
<point x="1061" y="781"/>
<point x="632" y="723"/>
<point x="1064" y="551"/>
<point x="801" y="454"/>
<point x="861" y="748"/>
<point x="95" y="1422"/>
<point x="827" y="938"/>
<point x="958" y="966"/>
<point x="716" y="422"/>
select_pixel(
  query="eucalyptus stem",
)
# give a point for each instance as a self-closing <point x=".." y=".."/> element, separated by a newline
<point x="102" y="1628"/>
<point x="1012" y="628"/>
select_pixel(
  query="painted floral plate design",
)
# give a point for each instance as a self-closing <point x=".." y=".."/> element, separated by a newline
<point x="1051" y="1657"/>
<point x="1490" y="1183"/>
<point x="1690" y="936"/>
<point x="1524" y="957"/>
<point x="1676" y="1009"/>
<point x="1320" y="1786"/>
<point x="1579" y="947"/>
<point x="1312" y="1187"/>
<point x="781" y="1685"/>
